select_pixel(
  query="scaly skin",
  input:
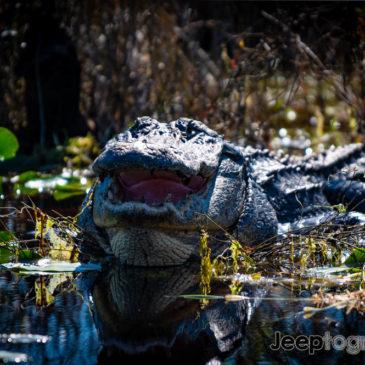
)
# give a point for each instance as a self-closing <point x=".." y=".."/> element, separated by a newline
<point x="158" y="181"/>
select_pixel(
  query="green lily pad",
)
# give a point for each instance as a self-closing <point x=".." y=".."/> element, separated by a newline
<point x="46" y="182"/>
<point x="62" y="187"/>
<point x="22" y="189"/>
<point x="69" y="190"/>
<point x="24" y="177"/>
<point x="8" y="144"/>
<point x="60" y="194"/>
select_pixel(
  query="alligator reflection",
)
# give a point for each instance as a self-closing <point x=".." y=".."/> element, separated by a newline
<point x="139" y="315"/>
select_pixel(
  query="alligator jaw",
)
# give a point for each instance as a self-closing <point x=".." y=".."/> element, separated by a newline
<point x="133" y="246"/>
<point x="152" y="187"/>
<point x="138" y="207"/>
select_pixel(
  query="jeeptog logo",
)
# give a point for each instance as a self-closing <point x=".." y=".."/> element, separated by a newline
<point x="351" y="344"/>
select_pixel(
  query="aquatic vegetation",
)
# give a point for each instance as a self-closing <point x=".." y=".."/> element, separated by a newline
<point x="54" y="248"/>
<point x="268" y="80"/>
<point x="206" y="265"/>
<point x="348" y="300"/>
<point x="328" y="256"/>
<point x="325" y="256"/>
<point x="231" y="260"/>
<point x="323" y="244"/>
<point x="62" y="186"/>
<point x="60" y="243"/>
<point x="80" y="151"/>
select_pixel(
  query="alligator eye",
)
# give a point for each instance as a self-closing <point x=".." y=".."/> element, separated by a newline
<point x="192" y="130"/>
<point x="189" y="130"/>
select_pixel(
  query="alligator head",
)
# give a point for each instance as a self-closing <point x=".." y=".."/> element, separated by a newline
<point x="156" y="181"/>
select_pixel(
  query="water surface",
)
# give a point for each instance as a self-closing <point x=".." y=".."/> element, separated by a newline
<point x="123" y="314"/>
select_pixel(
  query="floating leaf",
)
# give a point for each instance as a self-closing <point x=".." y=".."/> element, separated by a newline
<point x="356" y="257"/>
<point x="62" y="187"/>
<point x="22" y="189"/>
<point x="325" y="271"/>
<point x="64" y="192"/>
<point x="75" y="186"/>
<point x="49" y="266"/>
<point x="8" y="144"/>
<point x="24" y="177"/>
<point x="200" y="296"/>
<point x="47" y="182"/>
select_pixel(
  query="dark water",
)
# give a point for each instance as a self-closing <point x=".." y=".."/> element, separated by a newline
<point x="132" y="315"/>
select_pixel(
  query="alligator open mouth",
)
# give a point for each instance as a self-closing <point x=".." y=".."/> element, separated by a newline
<point x="154" y="187"/>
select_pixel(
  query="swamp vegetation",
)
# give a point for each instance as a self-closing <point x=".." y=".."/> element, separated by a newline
<point x="287" y="78"/>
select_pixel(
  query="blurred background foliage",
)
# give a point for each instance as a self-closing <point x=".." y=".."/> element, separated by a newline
<point x="282" y="75"/>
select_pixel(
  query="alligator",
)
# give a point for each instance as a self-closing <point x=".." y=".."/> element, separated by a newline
<point x="158" y="182"/>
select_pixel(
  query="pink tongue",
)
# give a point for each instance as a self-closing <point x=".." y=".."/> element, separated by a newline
<point x="133" y="177"/>
<point x="155" y="191"/>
